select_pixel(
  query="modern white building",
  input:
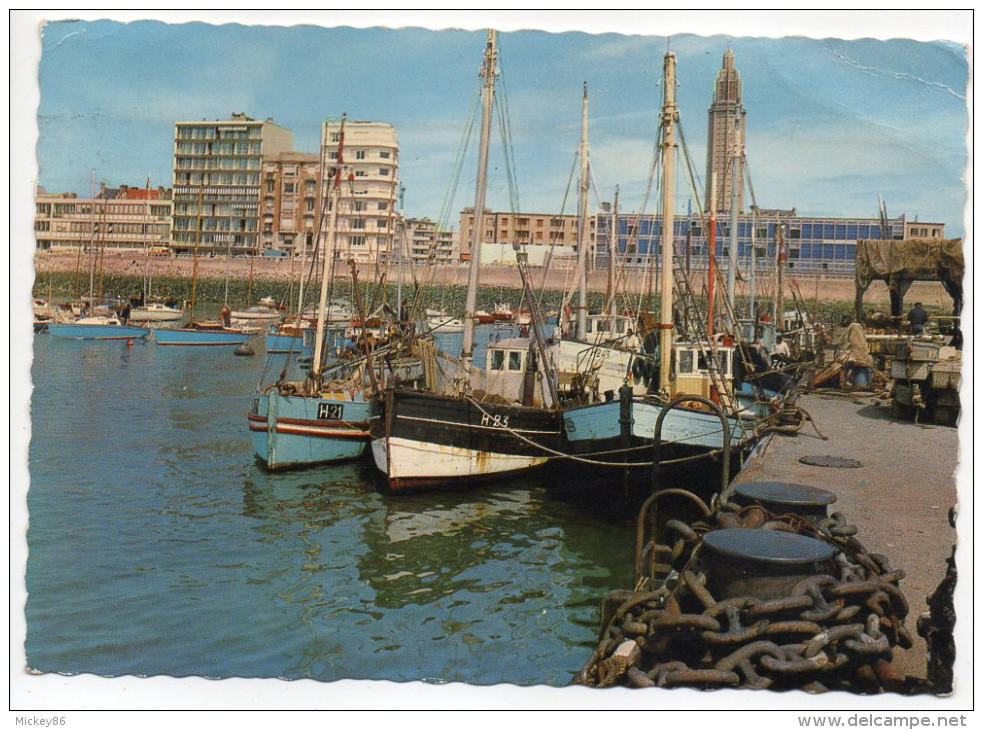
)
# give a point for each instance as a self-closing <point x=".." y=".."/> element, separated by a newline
<point x="218" y="166"/>
<point x="366" y="221"/>
<point x="426" y="243"/>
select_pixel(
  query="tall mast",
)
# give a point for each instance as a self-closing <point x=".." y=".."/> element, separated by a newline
<point x="669" y="113"/>
<point x="712" y="257"/>
<point x="736" y="179"/>
<point x="194" y="265"/>
<point x="754" y="264"/>
<point x="315" y="371"/>
<point x="470" y="304"/>
<point x="400" y="241"/>
<point x="779" y="273"/>
<point x="583" y="233"/>
<point x="612" y="258"/>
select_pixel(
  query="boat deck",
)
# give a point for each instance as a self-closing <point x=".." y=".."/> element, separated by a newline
<point x="898" y="498"/>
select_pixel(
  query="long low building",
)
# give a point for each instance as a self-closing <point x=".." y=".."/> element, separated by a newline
<point x="122" y="219"/>
<point x="811" y="244"/>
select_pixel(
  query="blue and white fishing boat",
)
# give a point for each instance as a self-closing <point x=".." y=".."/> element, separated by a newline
<point x="607" y="435"/>
<point x="323" y="418"/>
<point x="96" y="328"/>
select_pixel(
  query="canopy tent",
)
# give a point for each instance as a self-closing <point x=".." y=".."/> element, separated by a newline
<point x="899" y="263"/>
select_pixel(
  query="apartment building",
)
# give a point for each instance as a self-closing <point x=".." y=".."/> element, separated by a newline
<point x="366" y="218"/>
<point x="424" y="243"/>
<point x="533" y="229"/>
<point x="116" y="219"/>
<point x="291" y="205"/>
<point x="218" y="188"/>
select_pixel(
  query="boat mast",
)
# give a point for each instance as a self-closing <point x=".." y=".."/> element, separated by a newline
<point x="470" y="304"/>
<point x="612" y="260"/>
<point x="315" y="371"/>
<point x="669" y="113"/>
<point x="583" y="234"/>
<point x="194" y="265"/>
<point x="736" y="179"/>
<point x="712" y="258"/>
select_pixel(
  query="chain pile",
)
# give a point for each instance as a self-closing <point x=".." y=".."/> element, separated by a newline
<point x="833" y="631"/>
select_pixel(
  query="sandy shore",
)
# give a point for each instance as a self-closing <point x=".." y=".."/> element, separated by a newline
<point x="834" y="289"/>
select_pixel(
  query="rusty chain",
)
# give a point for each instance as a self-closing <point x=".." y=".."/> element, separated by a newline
<point x="833" y="631"/>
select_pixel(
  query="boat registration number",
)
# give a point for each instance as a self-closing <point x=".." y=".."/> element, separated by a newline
<point x="329" y="411"/>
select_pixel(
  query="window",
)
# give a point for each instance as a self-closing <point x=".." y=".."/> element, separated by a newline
<point x="361" y="173"/>
<point x="336" y="137"/>
<point x="359" y="154"/>
<point x="382" y="205"/>
<point x="384" y="154"/>
<point x="497" y="360"/>
<point x="515" y="361"/>
<point x="289" y="187"/>
<point x="358" y="224"/>
<point x="685" y="362"/>
<point x="383" y="172"/>
<point x="357" y="240"/>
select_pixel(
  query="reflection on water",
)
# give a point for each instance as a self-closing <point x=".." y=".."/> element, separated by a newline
<point x="157" y="544"/>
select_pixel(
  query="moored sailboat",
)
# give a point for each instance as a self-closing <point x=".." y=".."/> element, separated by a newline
<point x="204" y="333"/>
<point x="98" y="322"/>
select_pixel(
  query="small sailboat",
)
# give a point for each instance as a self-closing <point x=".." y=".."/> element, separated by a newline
<point x="323" y="418"/>
<point x="96" y="328"/>
<point x="148" y="308"/>
<point x="98" y="320"/>
<point x="203" y="333"/>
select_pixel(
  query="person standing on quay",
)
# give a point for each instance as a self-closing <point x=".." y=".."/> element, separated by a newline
<point x="917" y="318"/>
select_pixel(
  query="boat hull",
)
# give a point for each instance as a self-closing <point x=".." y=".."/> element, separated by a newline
<point x="690" y="445"/>
<point x="291" y="431"/>
<point x="155" y="315"/>
<point x="200" y="337"/>
<point x="421" y="440"/>
<point x="278" y="343"/>
<point x="74" y="331"/>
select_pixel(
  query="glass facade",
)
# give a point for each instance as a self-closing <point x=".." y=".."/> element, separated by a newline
<point x="812" y="244"/>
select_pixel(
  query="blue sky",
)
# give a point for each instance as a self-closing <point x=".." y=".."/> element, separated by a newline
<point x="831" y="124"/>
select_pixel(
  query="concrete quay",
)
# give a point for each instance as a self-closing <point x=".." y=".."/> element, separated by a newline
<point x="899" y="498"/>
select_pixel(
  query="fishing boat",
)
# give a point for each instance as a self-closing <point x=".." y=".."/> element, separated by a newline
<point x="324" y="417"/>
<point x="209" y="333"/>
<point x="457" y="432"/>
<point x="607" y="434"/>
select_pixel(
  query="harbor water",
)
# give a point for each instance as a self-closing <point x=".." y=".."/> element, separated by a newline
<point x="157" y="545"/>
